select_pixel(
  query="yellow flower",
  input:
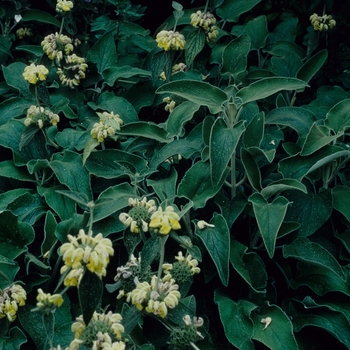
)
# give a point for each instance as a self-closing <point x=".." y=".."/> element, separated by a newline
<point x="165" y="220"/>
<point x="23" y="32"/>
<point x="322" y="23"/>
<point x="54" y="45"/>
<point x="33" y="73"/>
<point x="82" y="252"/>
<point x="170" y="40"/>
<point x="47" y="302"/>
<point x="206" y="21"/>
<point x="107" y="127"/>
<point x="63" y="6"/>
<point x="10" y="298"/>
<point x="73" y="70"/>
<point x="39" y="115"/>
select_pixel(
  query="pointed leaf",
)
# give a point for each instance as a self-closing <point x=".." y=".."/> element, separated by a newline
<point x="312" y="66"/>
<point x="338" y="117"/>
<point x="251" y="168"/>
<point x="198" y="92"/>
<point x="267" y="87"/>
<point x="254" y="132"/>
<point x="194" y="45"/>
<point x="150" y="251"/>
<point x="269" y="217"/>
<point x="217" y="242"/>
<point x="231" y="10"/>
<point x="341" y="200"/>
<point x="257" y="31"/>
<point x="282" y="185"/>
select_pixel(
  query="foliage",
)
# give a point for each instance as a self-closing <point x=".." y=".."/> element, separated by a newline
<point x="187" y="185"/>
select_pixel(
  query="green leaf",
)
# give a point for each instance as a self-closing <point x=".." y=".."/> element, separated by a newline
<point x="50" y="239"/>
<point x="197" y="185"/>
<point x="103" y="53"/>
<point x="14" y="235"/>
<point x="150" y="251"/>
<point x="10" y="170"/>
<point x="297" y="118"/>
<point x="40" y="16"/>
<point x="179" y="116"/>
<point x="231" y="10"/>
<point x="338" y="117"/>
<point x="341" y="200"/>
<point x="70" y="172"/>
<point x="279" y="333"/>
<point x="90" y="293"/>
<point x="70" y="139"/>
<point x="36" y="50"/>
<point x="90" y="145"/>
<point x="14" y="340"/>
<point x="251" y="168"/>
<point x="62" y="205"/>
<point x="131" y="240"/>
<point x="165" y="188"/>
<point x="249" y="266"/>
<point x="112" y="163"/>
<point x="269" y="217"/>
<point x="222" y="145"/>
<point x="331" y="321"/>
<point x="131" y="316"/>
<point x="235" y="317"/>
<point x="257" y="31"/>
<point x="124" y="72"/>
<point x="14" y="78"/>
<point x="13" y="107"/>
<point x="318" y="137"/>
<point x="113" y="199"/>
<point x="313" y="253"/>
<point x="286" y="66"/>
<point x="282" y="185"/>
<point x="217" y="242"/>
<point x="267" y="87"/>
<point x="312" y="66"/>
<point x="297" y="167"/>
<point x="235" y="56"/>
<point x="198" y="92"/>
<point x="145" y="129"/>
<point x="8" y="270"/>
<point x="318" y="207"/>
<point x="254" y="132"/>
<point x="194" y="45"/>
<point x="9" y="196"/>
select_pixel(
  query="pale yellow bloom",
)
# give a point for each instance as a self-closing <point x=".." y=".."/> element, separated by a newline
<point x="201" y="224"/>
<point x="170" y="40"/>
<point x="33" y="73"/>
<point x="55" y="45"/>
<point x="322" y="23"/>
<point x="23" y="32"/>
<point x="47" y="302"/>
<point x="165" y="221"/>
<point x="10" y="298"/>
<point x="63" y="6"/>
<point x="108" y="125"/>
<point x="206" y="21"/>
<point x="170" y="104"/>
<point x="73" y="70"/>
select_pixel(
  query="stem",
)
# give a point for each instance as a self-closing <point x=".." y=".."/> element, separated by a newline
<point x="36" y="95"/>
<point x="91" y="206"/>
<point x="47" y="138"/>
<point x="162" y="241"/>
<point x="233" y="175"/>
<point x="206" y="6"/>
<point x="61" y="28"/>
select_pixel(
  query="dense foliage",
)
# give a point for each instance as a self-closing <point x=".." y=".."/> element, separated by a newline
<point x="174" y="183"/>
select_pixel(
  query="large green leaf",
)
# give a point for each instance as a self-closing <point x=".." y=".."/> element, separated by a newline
<point x="13" y="76"/>
<point x="269" y="217"/>
<point x="217" y="242"/>
<point x="145" y="129"/>
<point x="267" y="87"/>
<point x="8" y="169"/>
<point x="318" y="137"/>
<point x="279" y="333"/>
<point x="231" y="10"/>
<point x="282" y="185"/>
<point x="331" y="321"/>
<point x="114" y="73"/>
<point x="165" y="188"/>
<point x="254" y="132"/>
<point x="296" y="167"/>
<point x="14" y="340"/>
<point x="222" y="145"/>
<point x="198" y="92"/>
<point x="235" y="56"/>
<point x="310" y="210"/>
<point x="235" y="317"/>
<point x="194" y="45"/>
<point x="251" y="169"/>
<point x="197" y="186"/>
<point x="103" y="53"/>
<point x="70" y="172"/>
<point x="312" y="66"/>
<point x="313" y="253"/>
<point x="13" y="107"/>
<point x="249" y="266"/>
<point x="14" y="235"/>
<point x="40" y="16"/>
<point x="297" y="118"/>
<point x="338" y="117"/>
<point x="257" y="31"/>
<point x="150" y="251"/>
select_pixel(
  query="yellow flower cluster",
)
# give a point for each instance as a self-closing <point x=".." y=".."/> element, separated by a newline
<point x="165" y="221"/>
<point x="207" y="21"/>
<point x="104" y="331"/>
<point x="10" y="298"/>
<point x="322" y="23"/>
<point x="54" y="45"/>
<point x="73" y="70"/>
<point x="47" y="302"/>
<point x="40" y="115"/>
<point x="191" y="263"/>
<point x="63" y="6"/>
<point x="23" y="32"/>
<point x="83" y="252"/>
<point x="181" y="67"/>
<point x="170" y="40"/>
<point x="108" y="125"/>
<point x="140" y="214"/>
<point x="156" y="297"/>
<point x="33" y="73"/>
